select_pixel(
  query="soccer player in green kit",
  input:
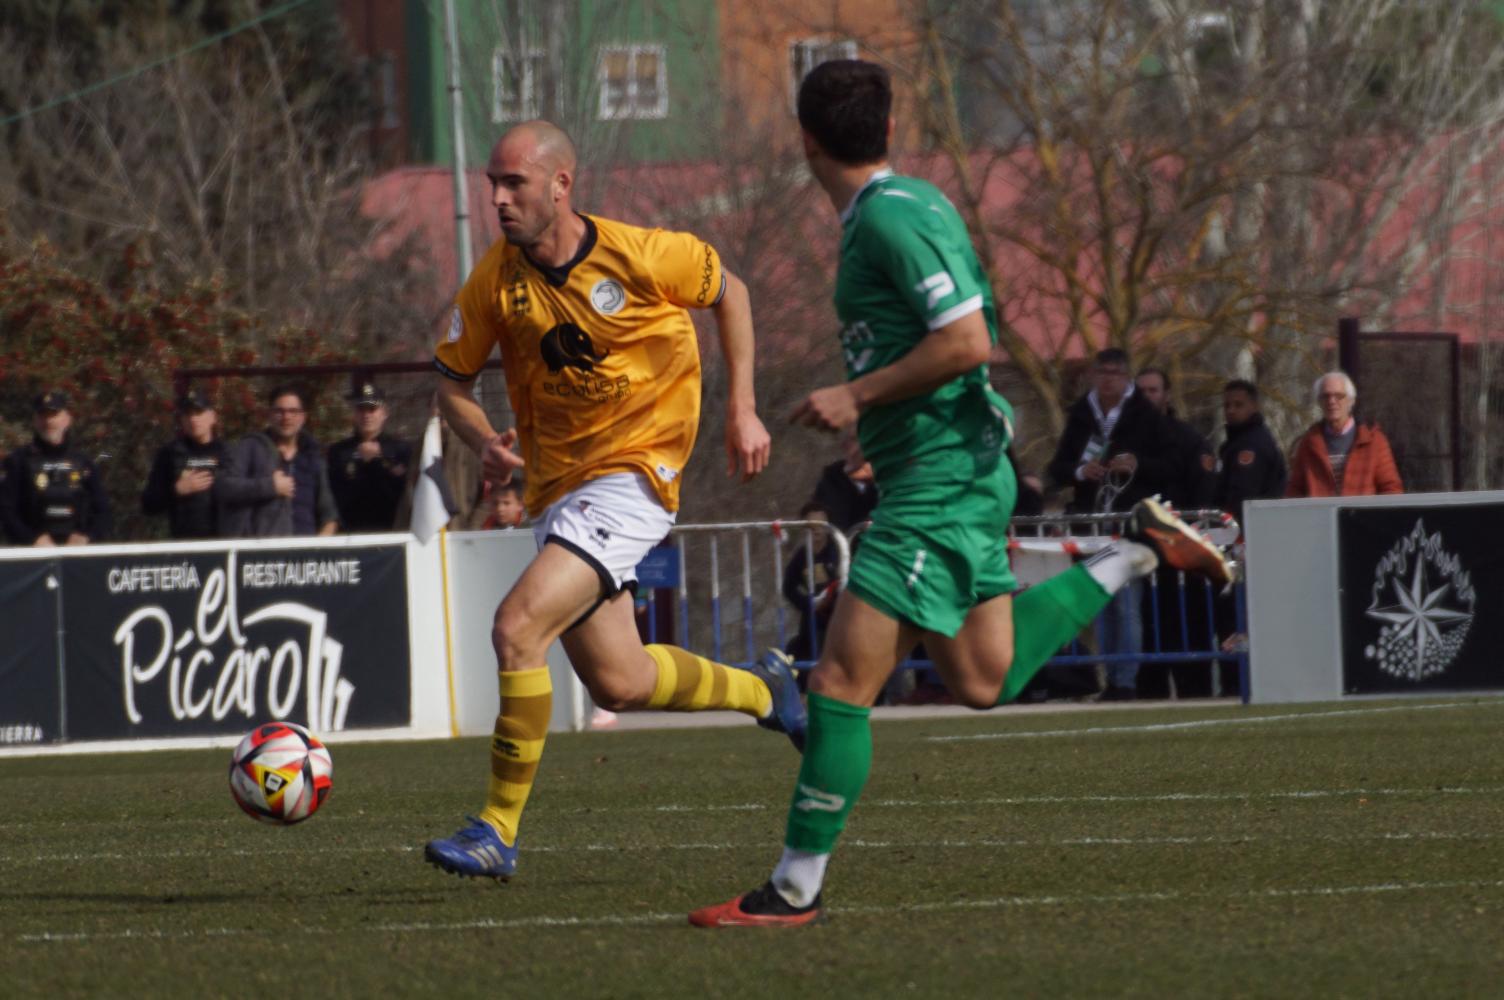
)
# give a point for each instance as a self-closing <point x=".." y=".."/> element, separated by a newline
<point x="917" y="325"/>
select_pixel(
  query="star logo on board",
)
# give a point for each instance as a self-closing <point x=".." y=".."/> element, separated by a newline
<point x="1427" y="610"/>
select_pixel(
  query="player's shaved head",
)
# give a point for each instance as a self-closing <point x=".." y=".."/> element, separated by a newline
<point x="532" y="173"/>
<point x="544" y="143"/>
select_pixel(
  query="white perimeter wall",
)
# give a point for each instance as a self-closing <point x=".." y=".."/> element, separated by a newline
<point x="1294" y="627"/>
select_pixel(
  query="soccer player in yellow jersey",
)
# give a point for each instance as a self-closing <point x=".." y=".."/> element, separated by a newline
<point x="603" y="371"/>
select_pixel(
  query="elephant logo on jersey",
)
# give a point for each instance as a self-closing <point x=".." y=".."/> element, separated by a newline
<point x="567" y="344"/>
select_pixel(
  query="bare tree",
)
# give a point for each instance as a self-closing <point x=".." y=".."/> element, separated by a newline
<point x="1211" y="189"/>
<point x="216" y="165"/>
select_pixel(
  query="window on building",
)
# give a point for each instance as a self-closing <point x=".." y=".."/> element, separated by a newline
<point x="633" y="82"/>
<point x="516" y="80"/>
<point x="807" y="53"/>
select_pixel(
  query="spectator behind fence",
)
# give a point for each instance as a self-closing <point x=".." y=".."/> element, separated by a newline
<point x="182" y="478"/>
<point x="845" y="490"/>
<point x="502" y="505"/>
<point x="1192" y="485"/>
<point x="50" y="493"/>
<point x="1115" y="450"/>
<point x="814" y="614"/>
<point x="1193" y="474"/>
<point x="368" y="469"/>
<point x="1250" y="464"/>
<point x="1030" y="501"/>
<point x="1338" y="456"/>
<point x="275" y="482"/>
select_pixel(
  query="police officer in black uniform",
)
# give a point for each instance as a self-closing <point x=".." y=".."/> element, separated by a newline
<point x="50" y="494"/>
<point x="368" y="469"/>
<point x="181" y="483"/>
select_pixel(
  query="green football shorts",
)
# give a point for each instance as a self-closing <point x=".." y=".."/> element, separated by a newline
<point x="935" y="551"/>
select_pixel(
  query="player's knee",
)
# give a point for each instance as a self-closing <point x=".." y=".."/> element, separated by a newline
<point x="977" y="693"/>
<point x="514" y="639"/>
<point x="618" y="693"/>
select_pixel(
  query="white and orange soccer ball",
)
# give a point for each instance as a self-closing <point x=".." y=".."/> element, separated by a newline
<point x="281" y="773"/>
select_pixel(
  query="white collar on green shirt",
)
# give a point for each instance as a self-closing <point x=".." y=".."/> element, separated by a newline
<point x="877" y="175"/>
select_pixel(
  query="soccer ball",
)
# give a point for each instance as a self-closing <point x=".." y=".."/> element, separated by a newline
<point x="281" y="773"/>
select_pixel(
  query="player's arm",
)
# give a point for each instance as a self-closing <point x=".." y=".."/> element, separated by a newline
<point x="464" y="414"/>
<point x="946" y="353"/>
<point x="747" y="440"/>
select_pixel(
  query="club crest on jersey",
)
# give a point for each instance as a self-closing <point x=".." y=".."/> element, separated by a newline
<point x="568" y="345"/>
<point x="456" y="326"/>
<point x="608" y="297"/>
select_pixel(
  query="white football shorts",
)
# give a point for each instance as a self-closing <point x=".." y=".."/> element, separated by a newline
<point x="609" y="522"/>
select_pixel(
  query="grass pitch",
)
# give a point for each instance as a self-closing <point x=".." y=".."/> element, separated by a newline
<point x="1338" y="850"/>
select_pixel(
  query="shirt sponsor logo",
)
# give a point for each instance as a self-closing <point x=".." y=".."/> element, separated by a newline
<point x="566" y="345"/>
<point x="1245" y="457"/>
<point x="608" y="297"/>
<point x="705" y="275"/>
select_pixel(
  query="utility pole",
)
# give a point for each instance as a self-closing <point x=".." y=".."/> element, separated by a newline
<point x="457" y="124"/>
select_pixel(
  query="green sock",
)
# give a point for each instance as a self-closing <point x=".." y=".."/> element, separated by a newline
<point x="837" y="758"/>
<point x="1045" y="617"/>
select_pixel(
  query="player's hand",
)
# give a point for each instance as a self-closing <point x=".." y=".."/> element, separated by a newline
<point x="193" y="481"/>
<point x="832" y="408"/>
<point x="284" y="485"/>
<point x="77" y="539"/>
<point x="498" y="459"/>
<point x="44" y="541"/>
<point x="368" y="451"/>
<point x="747" y="444"/>
<point x="1125" y="462"/>
<point x="1093" y="472"/>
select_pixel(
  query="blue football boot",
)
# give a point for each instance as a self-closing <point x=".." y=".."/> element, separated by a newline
<point x="788" y="716"/>
<point x="475" y="852"/>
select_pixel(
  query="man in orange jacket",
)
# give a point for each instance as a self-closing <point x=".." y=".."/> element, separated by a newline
<point x="1338" y="456"/>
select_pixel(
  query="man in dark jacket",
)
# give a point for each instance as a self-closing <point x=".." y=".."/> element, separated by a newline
<point x="1115" y="449"/>
<point x="368" y="469"/>
<point x="1193" y="481"/>
<point x="275" y="482"/>
<point x="846" y="490"/>
<point x="1252" y="465"/>
<point x="50" y="493"/>
<point x="181" y="482"/>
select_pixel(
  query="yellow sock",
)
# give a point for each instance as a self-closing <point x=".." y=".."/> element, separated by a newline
<point x="690" y="683"/>
<point x="526" y="704"/>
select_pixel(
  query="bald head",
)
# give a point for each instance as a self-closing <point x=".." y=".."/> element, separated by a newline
<point x="541" y="142"/>
<point x="532" y="175"/>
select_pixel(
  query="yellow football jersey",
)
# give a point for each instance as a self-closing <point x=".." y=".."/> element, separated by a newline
<point x="602" y="364"/>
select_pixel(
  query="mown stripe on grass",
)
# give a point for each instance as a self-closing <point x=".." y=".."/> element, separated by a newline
<point x="647" y="919"/>
<point x="857" y="843"/>
<point x="1161" y="727"/>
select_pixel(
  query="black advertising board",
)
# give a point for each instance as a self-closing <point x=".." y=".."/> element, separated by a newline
<point x="1421" y="593"/>
<point x="29" y="679"/>
<point x="199" y="643"/>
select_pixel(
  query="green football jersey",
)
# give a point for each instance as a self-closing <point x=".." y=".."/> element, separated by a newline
<point x="907" y="267"/>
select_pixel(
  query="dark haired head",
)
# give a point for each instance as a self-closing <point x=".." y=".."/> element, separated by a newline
<point x="844" y="105"/>
<point x="1112" y="356"/>
<point x="1164" y="377"/>
<point x="1243" y="385"/>
<point x="287" y="390"/>
<point x="812" y="507"/>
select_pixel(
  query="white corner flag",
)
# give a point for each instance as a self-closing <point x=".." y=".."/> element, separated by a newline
<point x="433" y="504"/>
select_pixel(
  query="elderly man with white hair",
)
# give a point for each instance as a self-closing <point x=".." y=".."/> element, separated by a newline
<point x="1338" y="457"/>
